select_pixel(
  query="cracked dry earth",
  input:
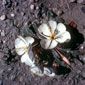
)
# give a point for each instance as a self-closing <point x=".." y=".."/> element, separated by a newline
<point x="16" y="15"/>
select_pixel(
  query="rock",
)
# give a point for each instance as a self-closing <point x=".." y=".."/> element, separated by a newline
<point x="59" y="12"/>
<point x="84" y="59"/>
<point x="22" y="13"/>
<point x="31" y="6"/>
<point x="81" y="47"/>
<point x="12" y="14"/>
<point x="80" y="1"/>
<point x="21" y="79"/>
<point x="3" y="17"/>
<point x="2" y="33"/>
<point x="4" y="2"/>
<point x="37" y="7"/>
<point x="12" y="77"/>
<point x="1" y="71"/>
<point x="9" y="69"/>
<point x="1" y="56"/>
<point x="72" y="0"/>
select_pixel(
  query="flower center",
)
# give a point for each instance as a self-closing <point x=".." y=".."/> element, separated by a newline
<point x="53" y="36"/>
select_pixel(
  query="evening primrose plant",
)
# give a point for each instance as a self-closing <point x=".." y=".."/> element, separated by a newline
<point x="49" y="34"/>
<point x="23" y="48"/>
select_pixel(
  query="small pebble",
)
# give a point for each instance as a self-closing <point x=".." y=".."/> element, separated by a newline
<point x="82" y="47"/>
<point x="59" y="12"/>
<point x="31" y="6"/>
<point x="4" y="41"/>
<point x="22" y="13"/>
<point x="4" y="2"/>
<point x="2" y="33"/>
<point x="12" y="14"/>
<point x="80" y="1"/>
<point x="84" y="59"/>
<point x="1" y="71"/>
<point x="12" y="77"/>
<point x="3" y="17"/>
<point x="72" y="0"/>
<point x="9" y="69"/>
<point x="21" y="79"/>
<point x="37" y="7"/>
<point x="26" y="23"/>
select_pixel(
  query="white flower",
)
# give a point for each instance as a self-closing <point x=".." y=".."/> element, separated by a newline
<point x="46" y="71"/>
<point x="52" y="33"/>
<point x="36" y="70"/>
<point x="22" y="47"/>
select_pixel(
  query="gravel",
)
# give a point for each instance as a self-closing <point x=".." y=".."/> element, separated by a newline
<point x="16" y="16"/>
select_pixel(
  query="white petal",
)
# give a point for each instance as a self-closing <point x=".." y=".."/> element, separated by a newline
<point x="64" y="37"/>
<point x="29" y="40"/>
<point x="21" y="50"/>
<point x="20" y="46"/>
<point x="44" y="29"/>
<point x="48" y="72"/>
<point x="36" y="71"/>
<point x="47" y="44"/>
<point x="61" y="28"/>
<point x="53" y="44"/>
<point x="21" y="38"/>
<point x="25" y="59"/>
<point x="53" y="25"/>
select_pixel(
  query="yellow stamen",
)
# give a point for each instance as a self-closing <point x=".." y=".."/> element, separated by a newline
<point x="53" y="36"/>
